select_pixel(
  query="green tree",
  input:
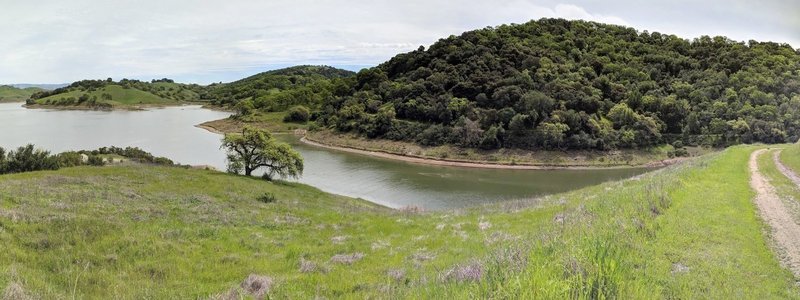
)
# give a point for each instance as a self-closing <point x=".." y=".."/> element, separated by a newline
<point x="299" y="114"/>
<point x="28" y="159"/>
<point x="254" y="149"/>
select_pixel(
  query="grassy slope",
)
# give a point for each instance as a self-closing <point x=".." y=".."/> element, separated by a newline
<point x="185" y="94"/>
<point x="270" y="121"/>
<point x="120" y="96"/>
<point x="12" y="94"/>
<point x="152" y="232"/>
<point x="791" y="157"/>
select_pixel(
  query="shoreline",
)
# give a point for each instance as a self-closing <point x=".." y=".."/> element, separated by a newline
<point x="425" y="160"/>
<point x="209" y="128"/>
<point x="483" y="164"/>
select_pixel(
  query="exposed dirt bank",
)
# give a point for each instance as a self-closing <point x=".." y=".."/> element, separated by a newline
<point x="485" y="165"/>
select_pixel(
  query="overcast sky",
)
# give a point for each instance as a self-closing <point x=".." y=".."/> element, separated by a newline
<point x="59" y="41"/>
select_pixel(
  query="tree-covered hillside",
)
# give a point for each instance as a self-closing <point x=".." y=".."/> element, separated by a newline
<point x="278" y="90"/>
<point x="558" y="84"/>
<point x="12" y="94"/>
<point x="108" y="93"/>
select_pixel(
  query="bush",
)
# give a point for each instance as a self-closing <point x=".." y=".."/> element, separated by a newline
<point x="95" y="160"/>
<point x="298" y="114"/>
<point x="69" y="159"/>
<point x="28" y="159"/>
<point x="267" y="198"/>
<point x="681" y="152"/>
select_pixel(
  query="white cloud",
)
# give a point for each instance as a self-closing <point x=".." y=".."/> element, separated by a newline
<point x="204" y="40"/>
<point x="574" y="12"/>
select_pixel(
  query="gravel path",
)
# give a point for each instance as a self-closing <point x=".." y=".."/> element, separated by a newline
<point x="785" y="231"/>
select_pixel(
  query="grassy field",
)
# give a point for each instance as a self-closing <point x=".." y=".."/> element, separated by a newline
<point x="12" y="94"/>
<point x="119" y="97"/>
<point x="686" y="231"/>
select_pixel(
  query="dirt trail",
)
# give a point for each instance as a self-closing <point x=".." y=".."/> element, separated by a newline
<point x="784" y="169"/>
<point x="785" y="231"/>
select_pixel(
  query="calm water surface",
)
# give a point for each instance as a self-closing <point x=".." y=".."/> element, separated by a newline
<point x="171" y="132"/>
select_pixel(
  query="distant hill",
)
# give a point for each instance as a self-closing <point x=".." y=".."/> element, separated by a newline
<point x="109" y="94"/>
<point x="48" y="87"/>
<point x="280" y="89"/>
<point x="558" y="84"/>
<point x="12" y="94"/>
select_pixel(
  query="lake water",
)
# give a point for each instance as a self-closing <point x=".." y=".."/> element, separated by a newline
<point x="171" y="132"/>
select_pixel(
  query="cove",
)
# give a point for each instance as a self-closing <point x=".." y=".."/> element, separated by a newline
<point x="171" y="132"/>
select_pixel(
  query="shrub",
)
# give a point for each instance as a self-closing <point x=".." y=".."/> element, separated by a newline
<point x="267" y="198"/>
<point x="69" y="159"/>
<point x="95" y="160"/>
<point x="298" y="114"/>
<point x="681" y="152"/>
<point x="28" y="159"/>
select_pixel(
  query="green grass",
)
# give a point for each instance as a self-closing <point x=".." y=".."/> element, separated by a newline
<point x="119" y="97"/>
<point x="687" y="231"/>
<point x="791" y="157"/>
<point x="12" y="94"/>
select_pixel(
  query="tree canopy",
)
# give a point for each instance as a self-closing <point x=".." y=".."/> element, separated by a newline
<point x="254" y="149"/>
<point x="558" y="84"/>
<point x="281" y="89"/>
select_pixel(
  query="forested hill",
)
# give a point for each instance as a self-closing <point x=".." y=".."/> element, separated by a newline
<point x="563" y="84"/>
<point x="280" y="89"/>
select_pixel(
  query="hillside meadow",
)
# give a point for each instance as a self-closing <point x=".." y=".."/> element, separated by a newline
<point x="138" y="231"/>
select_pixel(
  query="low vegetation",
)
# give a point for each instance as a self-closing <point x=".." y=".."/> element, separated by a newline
<point x="686" y="231"/>
<point x="29" y="159"/>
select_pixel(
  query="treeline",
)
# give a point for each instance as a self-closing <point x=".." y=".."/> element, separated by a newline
<point x="278" y="90"/>
<point x="558" y="84"/>
<point x="28" y="158"/>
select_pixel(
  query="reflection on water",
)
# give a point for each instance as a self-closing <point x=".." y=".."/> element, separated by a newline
<point x="170" y="132"/>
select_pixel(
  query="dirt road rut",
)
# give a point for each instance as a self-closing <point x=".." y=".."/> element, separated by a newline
<point x="785" y="232"/>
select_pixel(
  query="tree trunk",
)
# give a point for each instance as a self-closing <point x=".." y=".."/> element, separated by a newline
<point x="248" y="171"/>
